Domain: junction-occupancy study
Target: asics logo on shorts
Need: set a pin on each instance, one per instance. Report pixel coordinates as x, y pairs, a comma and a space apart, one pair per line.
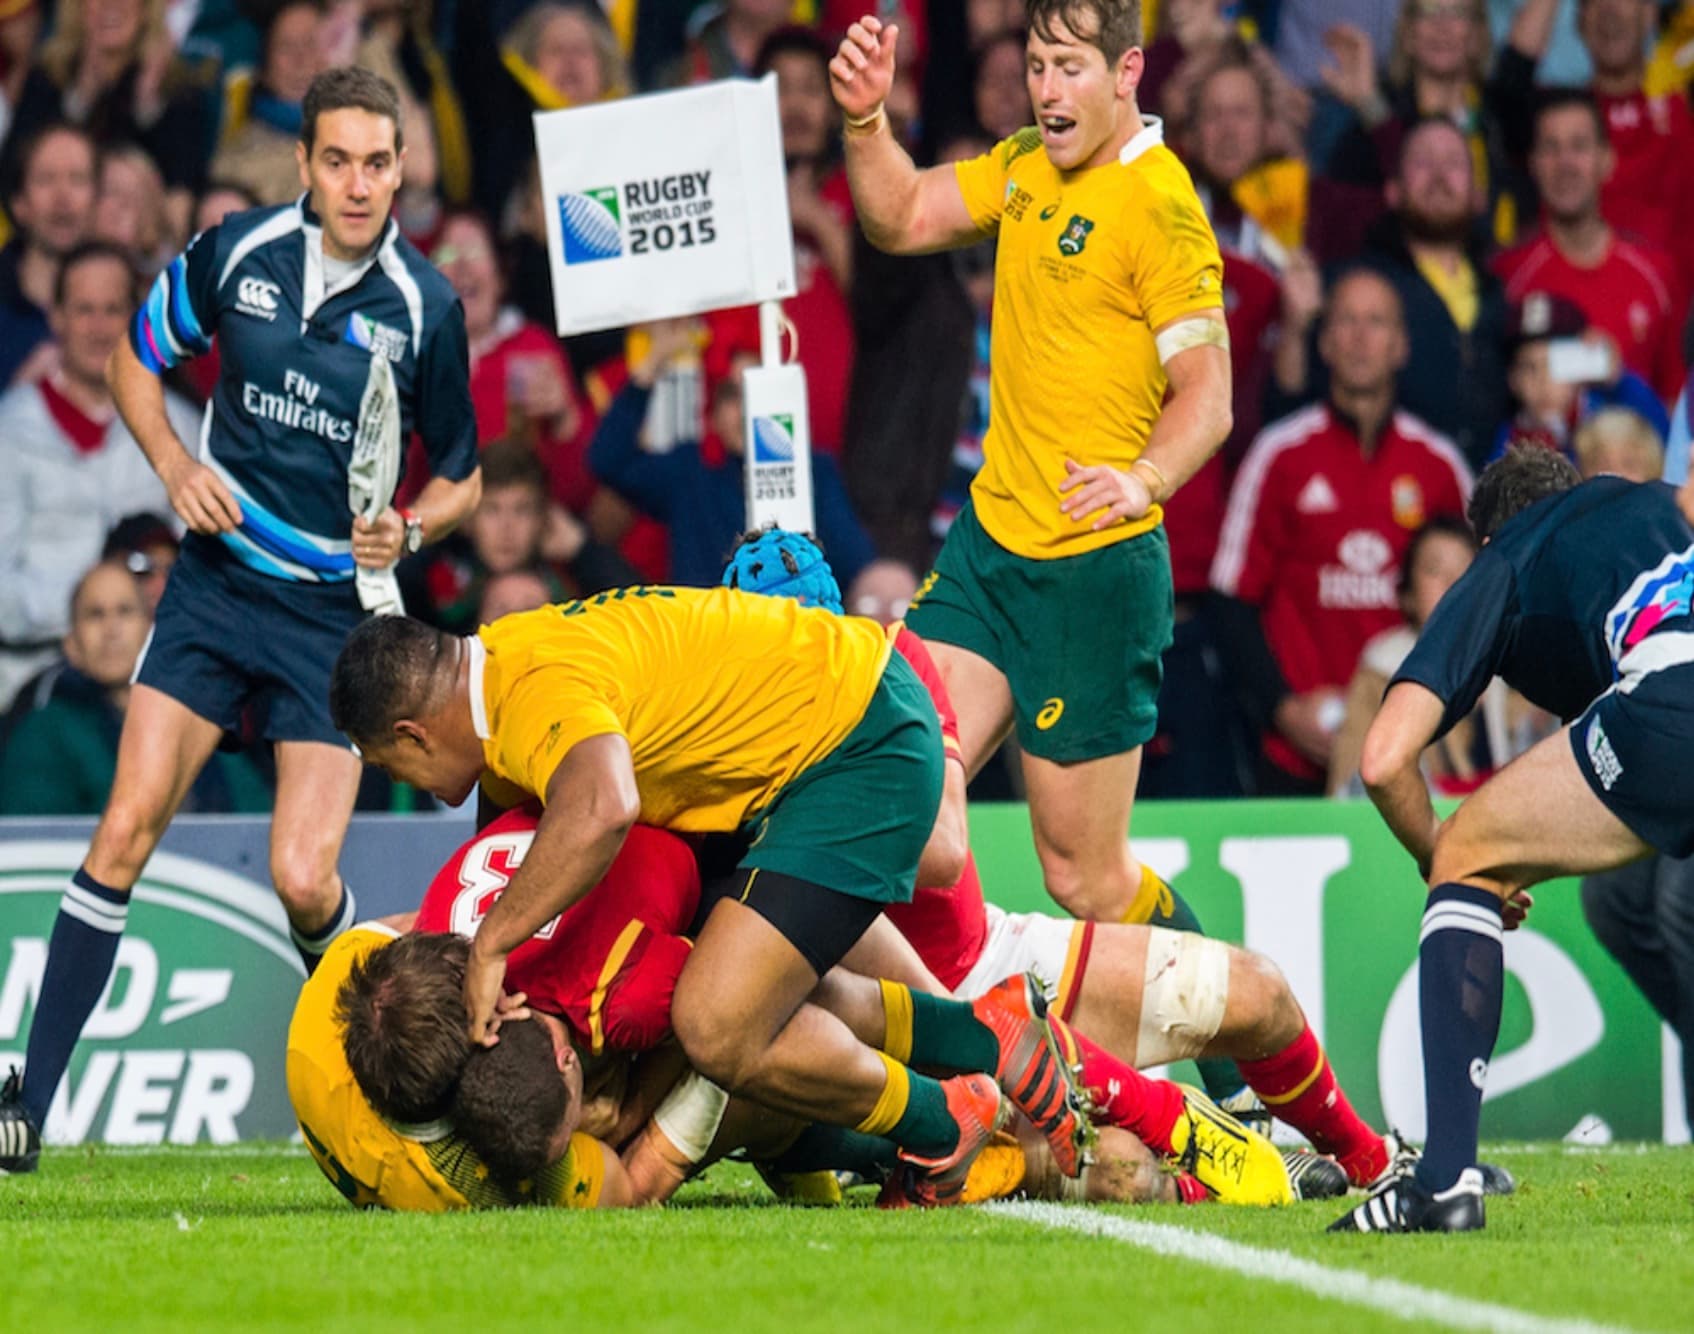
255, 296
1051, 712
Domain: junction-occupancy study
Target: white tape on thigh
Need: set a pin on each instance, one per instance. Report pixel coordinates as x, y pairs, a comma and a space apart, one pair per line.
690, 1115
1183, 995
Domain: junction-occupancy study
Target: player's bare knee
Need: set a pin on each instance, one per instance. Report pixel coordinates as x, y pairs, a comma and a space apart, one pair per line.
943, 861
1261, 995
126, 837
1094, 896
309, 888
713, 1048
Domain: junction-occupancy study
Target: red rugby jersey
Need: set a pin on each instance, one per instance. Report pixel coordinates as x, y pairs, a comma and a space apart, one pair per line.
1630, 294
1651, 189
608, 964
1314, 535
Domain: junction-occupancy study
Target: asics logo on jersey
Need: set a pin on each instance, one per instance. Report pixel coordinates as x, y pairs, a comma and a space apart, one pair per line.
1051, 712
255, 296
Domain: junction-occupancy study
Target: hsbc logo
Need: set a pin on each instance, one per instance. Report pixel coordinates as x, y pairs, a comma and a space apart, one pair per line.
1365, 552
256, 297
1365, 579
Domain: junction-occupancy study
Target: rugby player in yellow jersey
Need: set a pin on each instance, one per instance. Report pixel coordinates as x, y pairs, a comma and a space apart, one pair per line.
418, 1168
717, 711
1050, 603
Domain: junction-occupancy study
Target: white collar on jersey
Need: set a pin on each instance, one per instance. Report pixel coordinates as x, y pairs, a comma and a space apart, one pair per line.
318, 286
479, 705
1152, 132
421, 1132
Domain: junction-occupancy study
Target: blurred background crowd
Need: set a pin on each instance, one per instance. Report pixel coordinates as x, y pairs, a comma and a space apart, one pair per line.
1448, 225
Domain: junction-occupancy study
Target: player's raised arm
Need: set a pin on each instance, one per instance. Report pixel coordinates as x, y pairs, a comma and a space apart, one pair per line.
902, 209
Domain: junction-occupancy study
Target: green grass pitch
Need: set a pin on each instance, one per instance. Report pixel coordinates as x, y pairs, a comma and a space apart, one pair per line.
254, 1238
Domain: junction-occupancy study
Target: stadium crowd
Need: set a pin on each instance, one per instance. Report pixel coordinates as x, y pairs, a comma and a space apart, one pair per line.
1447, 225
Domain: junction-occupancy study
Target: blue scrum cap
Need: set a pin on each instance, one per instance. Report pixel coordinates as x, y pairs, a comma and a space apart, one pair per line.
784, 564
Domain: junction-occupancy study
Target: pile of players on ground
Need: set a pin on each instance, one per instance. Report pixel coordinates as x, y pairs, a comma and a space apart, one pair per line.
584, 1100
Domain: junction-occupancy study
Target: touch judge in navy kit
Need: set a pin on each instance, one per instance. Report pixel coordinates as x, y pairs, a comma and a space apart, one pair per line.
1582, 599
300, 299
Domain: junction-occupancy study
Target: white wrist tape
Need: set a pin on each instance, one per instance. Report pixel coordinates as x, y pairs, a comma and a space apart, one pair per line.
690, 1115
1183, 996
1195, 331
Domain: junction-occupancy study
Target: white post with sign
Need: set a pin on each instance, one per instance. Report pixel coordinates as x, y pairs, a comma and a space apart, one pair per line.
675, 204
777, 434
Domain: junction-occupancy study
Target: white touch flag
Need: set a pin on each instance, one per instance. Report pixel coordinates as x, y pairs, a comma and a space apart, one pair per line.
778, 460
665, 205
372, 473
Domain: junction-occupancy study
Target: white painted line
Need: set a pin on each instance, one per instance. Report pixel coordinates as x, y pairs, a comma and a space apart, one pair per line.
1390, 1296
195, 1151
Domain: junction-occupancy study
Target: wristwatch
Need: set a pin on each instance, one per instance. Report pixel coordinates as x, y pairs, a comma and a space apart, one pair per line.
414, 532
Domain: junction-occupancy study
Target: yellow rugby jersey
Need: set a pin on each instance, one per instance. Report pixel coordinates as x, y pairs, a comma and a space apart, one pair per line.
1088, 265
430, 1169
723, 696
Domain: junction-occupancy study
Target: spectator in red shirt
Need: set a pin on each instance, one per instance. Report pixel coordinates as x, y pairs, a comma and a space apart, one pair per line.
1321, 513
1623, 286
1651, 188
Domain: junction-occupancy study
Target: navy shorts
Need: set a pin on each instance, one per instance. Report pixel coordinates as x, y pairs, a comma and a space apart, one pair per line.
226, 639
1633, 746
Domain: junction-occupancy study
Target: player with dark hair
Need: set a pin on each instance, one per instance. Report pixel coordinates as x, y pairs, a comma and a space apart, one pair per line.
425, 1165
750, 714
309, 303
1581, 599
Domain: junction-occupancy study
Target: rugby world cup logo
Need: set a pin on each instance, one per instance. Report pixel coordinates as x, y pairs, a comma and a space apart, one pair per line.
591, 224
773, 439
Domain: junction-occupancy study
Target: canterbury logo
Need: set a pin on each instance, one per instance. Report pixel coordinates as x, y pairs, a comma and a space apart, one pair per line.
1051, 712
257, 294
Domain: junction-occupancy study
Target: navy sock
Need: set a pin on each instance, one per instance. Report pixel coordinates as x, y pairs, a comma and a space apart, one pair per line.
1461, 979
313, 945
79, 961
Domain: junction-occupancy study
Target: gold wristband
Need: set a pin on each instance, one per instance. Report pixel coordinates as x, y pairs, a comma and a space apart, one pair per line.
1158, 474
870, 124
